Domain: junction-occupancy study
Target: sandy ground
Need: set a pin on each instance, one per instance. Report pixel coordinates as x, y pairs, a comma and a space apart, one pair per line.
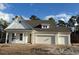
29, 49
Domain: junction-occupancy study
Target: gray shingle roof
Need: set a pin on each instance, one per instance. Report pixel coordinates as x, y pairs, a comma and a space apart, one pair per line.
35, 24
53, 27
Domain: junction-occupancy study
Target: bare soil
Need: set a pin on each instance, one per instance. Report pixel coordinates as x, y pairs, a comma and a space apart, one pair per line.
38, 49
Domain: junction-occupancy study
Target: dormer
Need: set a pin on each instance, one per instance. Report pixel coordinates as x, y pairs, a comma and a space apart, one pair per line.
45, 26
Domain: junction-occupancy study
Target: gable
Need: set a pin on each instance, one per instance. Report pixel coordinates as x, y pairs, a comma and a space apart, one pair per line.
19, 24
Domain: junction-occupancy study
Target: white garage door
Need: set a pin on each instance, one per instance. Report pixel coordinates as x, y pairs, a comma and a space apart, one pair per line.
63, 40
45, 39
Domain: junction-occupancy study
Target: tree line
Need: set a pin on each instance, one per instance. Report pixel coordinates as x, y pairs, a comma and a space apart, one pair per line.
72, 24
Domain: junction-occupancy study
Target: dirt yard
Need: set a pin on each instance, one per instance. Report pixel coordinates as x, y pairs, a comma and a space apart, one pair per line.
29, 49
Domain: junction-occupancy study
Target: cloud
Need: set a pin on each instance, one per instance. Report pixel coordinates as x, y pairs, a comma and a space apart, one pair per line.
49, 16
64, 17
3, 6
6, 16
25, 18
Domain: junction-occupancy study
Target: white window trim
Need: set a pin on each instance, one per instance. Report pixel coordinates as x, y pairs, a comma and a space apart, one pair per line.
45, 26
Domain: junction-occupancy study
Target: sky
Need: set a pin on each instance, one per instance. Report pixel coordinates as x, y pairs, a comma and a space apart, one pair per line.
59, 11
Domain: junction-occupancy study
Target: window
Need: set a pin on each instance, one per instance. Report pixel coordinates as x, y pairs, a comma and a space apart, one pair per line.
21, 36
13, 36
45, 26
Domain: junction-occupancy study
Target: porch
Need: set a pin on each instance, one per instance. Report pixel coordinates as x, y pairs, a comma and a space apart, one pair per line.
18, 37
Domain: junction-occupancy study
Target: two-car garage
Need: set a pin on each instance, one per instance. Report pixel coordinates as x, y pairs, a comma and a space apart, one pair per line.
52, 39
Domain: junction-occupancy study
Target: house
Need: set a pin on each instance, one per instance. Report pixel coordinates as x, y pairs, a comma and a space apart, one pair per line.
36, 32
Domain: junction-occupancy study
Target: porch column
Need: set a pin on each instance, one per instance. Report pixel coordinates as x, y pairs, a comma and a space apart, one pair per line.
6, 37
